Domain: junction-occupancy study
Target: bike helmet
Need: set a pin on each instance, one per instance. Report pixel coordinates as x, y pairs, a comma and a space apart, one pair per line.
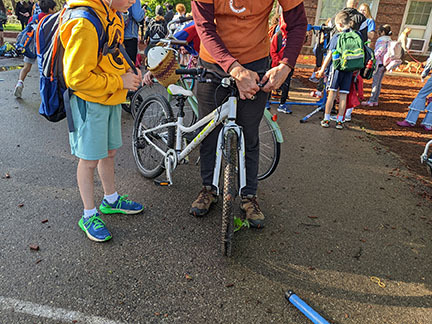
155, 56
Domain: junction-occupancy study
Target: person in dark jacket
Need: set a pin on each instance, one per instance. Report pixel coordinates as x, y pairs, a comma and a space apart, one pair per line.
170, 13
226, 50
23, 11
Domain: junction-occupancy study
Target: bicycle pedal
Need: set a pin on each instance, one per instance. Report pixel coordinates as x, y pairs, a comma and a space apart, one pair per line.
163, 183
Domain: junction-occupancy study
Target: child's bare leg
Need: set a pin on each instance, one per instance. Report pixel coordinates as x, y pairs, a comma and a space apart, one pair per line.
342, 104
330, 100
106, 172
24, 71
85, 177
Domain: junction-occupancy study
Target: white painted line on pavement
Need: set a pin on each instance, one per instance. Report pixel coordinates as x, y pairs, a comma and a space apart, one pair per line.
59, 314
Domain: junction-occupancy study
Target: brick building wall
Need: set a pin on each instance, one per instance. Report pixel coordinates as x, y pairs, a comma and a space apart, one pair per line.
391, 12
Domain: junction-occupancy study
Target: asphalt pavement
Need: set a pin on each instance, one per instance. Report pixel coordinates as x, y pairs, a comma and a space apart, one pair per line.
346, 228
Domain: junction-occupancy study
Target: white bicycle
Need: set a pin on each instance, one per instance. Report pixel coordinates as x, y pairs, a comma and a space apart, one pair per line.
159, 142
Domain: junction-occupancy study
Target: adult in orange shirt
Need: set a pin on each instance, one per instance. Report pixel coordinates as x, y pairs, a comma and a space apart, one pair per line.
234, 40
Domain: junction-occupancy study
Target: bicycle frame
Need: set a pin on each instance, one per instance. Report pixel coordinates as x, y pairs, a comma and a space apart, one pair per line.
227, 111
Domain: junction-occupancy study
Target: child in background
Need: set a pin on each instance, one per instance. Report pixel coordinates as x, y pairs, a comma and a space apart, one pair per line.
100, 83
365, 10
419, 103
47, 7
381, 46
321, 47
277, 46
337, 80
3, 20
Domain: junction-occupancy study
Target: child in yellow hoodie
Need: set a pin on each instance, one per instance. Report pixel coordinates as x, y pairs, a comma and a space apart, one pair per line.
100, 83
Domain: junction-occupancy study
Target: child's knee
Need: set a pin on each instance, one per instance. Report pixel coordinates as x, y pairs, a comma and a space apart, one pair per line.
91, 164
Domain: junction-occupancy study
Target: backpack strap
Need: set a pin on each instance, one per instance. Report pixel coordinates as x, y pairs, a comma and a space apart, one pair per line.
68, 110
89, 14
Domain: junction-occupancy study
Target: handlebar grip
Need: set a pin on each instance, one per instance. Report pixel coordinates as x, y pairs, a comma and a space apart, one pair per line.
188, 71
184, 19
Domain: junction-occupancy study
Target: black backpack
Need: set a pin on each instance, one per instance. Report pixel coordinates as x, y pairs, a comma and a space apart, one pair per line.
157, 31
359, 22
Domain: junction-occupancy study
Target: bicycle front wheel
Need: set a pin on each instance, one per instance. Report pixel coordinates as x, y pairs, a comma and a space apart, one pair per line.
229, 191
153, 111
269, 149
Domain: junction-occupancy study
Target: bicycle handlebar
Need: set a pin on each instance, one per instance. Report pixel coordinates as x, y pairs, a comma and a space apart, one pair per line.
173, 41
183, 19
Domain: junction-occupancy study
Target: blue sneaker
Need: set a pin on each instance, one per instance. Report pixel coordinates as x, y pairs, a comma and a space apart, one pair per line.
121, 206
284, 108
95, 228
267, 106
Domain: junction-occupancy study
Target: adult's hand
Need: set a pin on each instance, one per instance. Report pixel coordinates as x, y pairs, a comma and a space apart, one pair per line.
246, 80
275, 77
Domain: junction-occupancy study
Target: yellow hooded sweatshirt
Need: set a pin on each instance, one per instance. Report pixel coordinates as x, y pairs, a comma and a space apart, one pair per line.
93, 77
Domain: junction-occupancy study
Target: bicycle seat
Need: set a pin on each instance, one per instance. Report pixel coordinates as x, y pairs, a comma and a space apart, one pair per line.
176, 90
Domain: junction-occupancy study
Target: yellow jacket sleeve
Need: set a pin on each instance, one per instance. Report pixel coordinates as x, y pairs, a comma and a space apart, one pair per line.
93, 77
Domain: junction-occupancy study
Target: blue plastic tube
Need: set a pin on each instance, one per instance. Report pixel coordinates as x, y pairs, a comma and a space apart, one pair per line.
305, 308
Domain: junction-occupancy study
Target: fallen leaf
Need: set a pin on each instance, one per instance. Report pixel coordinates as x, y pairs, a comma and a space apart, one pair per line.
34, 247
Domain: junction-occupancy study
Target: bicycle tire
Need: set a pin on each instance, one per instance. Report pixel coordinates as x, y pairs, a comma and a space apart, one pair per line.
157, 88
126, 107
269, 149
153, 111
229, 191
143, 92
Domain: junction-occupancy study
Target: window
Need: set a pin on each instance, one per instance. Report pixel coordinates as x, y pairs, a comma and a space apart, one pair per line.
329, 8
418, 13
418, 17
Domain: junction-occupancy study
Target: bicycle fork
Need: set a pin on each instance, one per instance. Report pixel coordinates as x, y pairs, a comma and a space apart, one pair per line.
240, 153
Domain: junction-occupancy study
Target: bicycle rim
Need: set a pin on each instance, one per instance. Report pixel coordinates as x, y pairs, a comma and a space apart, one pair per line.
269, 150
153, 111
229, 192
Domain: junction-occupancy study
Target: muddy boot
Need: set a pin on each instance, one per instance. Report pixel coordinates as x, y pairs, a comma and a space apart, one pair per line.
253, 212
202, 204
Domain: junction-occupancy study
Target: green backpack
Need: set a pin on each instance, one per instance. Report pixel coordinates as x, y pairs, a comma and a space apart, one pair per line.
349, 54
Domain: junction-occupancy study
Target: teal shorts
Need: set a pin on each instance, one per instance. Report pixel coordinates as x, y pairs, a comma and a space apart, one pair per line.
97, 129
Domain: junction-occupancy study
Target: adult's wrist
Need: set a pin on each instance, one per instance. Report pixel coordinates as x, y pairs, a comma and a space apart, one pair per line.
234, 66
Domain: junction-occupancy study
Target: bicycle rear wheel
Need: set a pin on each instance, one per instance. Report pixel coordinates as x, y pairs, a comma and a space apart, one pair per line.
142, 93
230, 191
269, 150
157, 88
153, 111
